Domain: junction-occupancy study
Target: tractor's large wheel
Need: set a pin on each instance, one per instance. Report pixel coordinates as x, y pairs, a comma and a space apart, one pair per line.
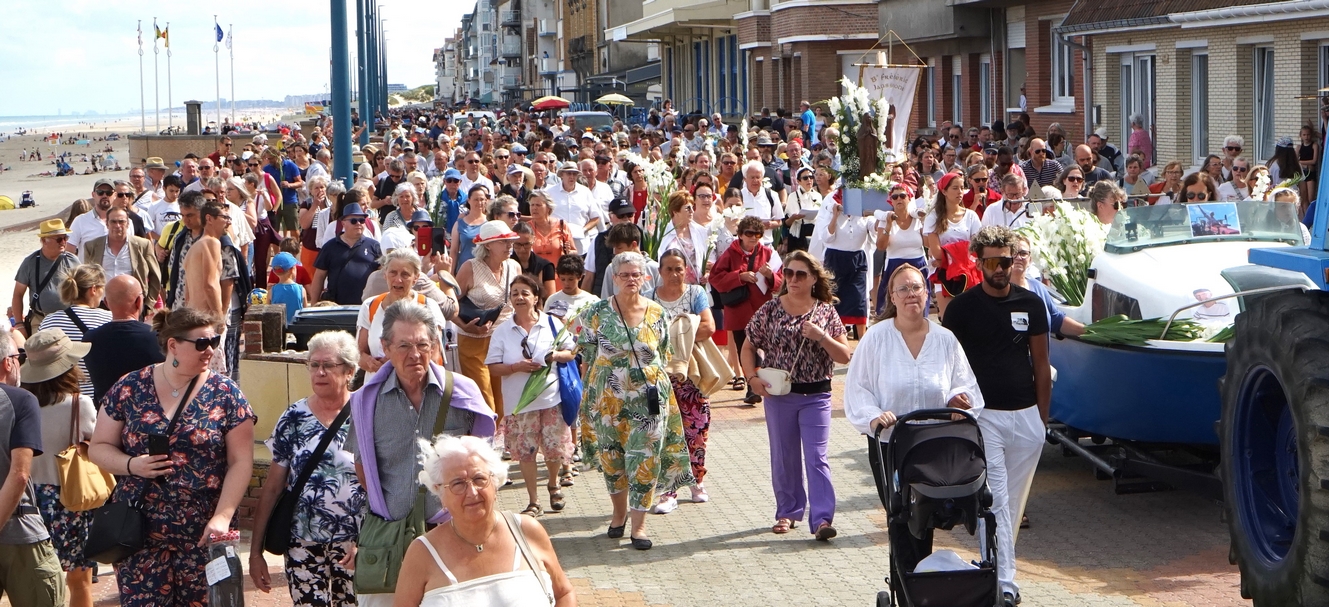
1275, 442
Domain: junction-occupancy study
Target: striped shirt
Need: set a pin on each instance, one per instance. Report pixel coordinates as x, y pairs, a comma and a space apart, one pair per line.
92, 318
1045, 176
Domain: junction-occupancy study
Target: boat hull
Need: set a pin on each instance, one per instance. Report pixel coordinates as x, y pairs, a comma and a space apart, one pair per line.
1140, 394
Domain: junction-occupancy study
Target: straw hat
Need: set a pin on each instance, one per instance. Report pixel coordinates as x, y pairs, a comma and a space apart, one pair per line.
50, 354
154, 162
52, 227
494, 231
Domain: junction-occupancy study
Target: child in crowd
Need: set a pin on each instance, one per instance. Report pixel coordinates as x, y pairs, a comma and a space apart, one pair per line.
302, 276
568, 302
285, 290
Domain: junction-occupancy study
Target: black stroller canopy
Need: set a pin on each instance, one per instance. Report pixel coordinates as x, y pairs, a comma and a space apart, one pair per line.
940, 460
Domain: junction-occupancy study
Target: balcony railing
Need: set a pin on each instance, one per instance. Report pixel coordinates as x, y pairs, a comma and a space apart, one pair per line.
545, 27
511, 49
510, 19
548, 65
510, 81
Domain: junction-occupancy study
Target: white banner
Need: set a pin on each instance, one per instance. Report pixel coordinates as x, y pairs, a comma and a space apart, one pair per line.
898, 85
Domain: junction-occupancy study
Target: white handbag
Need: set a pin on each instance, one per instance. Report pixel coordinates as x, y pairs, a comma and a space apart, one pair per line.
779, 382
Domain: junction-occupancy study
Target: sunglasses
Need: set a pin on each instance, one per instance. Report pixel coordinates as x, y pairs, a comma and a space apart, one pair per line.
124, 195
513, 214
1197, 195
1075, 179
805, 178
203, 343
253, 165
1043, 152
900, 196
1240, 170
751, 233
992, 263
355, 221
790, 274
503, 157
105, 192
21, 355
1233, 148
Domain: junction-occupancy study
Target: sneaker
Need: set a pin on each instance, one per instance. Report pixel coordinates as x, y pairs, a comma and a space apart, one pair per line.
1007, 599
665, 505
699, 495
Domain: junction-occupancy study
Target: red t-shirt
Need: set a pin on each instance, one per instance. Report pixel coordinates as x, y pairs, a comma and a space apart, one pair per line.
968, 201
302, 276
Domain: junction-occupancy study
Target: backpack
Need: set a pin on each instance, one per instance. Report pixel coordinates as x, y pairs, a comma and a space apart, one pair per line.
377, 301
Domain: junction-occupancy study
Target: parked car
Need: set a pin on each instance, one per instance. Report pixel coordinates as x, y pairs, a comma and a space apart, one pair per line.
599, 121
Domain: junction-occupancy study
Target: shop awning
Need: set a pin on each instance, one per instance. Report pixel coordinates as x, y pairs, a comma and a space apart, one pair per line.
679, 19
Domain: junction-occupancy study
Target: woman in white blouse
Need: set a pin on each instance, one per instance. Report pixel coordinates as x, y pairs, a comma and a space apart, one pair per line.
900, 238
686, 235
846, 240
905, 363
803, 198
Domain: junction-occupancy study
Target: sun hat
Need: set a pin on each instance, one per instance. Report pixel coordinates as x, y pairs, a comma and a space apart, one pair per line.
494, 231
50, 354
283, 261
52, 227
353, 210
569, 167
421, 216
154, 162
763, 139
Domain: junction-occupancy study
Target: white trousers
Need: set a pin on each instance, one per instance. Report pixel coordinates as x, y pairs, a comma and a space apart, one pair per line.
375, 600
1013, 441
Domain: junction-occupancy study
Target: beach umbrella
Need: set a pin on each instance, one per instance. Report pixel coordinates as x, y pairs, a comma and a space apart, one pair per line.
551, 102
6, 203
614, 99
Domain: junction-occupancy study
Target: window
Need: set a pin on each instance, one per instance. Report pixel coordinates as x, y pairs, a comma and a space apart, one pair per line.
1199, 106
1324, 66
1063, 70
721, 71
1264, 101
744, 83
957, 86
1137, 94
735, 61
984, 90
932, 93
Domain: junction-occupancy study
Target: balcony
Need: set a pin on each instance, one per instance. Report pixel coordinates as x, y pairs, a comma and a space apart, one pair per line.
548, 66
511, 50
545, 27
509, 81
510, 19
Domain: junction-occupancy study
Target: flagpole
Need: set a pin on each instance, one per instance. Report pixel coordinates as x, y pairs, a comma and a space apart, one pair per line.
216, 64
230, 37
156, 79
170, 116
142, 100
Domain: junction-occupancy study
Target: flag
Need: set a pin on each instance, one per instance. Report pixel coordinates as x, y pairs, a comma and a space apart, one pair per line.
140, 35
230, 35
218, 30
164, 34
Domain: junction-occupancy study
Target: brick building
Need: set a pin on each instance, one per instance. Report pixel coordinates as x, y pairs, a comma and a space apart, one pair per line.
1197, 71
797, 49
700, 67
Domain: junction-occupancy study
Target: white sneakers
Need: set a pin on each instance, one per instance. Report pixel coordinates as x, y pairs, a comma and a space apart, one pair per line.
665, 505
699, 495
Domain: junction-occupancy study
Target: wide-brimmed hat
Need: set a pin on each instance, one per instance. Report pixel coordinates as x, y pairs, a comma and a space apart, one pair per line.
52, 227
569, 167
494, 231
764, 140
353, 210
50, 354
154, 162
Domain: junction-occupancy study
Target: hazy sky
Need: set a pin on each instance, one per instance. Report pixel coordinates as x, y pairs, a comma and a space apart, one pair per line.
81, 55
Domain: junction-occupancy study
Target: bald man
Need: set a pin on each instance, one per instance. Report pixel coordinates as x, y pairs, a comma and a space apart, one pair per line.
123, 345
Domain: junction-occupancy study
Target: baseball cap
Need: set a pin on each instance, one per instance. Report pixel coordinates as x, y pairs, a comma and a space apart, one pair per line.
621, 207
283, 261
452, 174
518, 148
104, 181
514, 168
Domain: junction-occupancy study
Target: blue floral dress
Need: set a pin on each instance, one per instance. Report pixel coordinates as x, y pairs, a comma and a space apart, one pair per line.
168, 571
327, 516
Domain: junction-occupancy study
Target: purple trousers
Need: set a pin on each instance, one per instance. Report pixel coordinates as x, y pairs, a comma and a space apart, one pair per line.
799, 427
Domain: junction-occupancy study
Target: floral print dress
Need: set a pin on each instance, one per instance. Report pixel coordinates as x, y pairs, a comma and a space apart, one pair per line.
327, 516
168, 571
638, 452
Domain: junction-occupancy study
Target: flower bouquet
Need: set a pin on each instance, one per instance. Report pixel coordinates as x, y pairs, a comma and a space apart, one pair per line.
1064, 246
660, 183
539, 380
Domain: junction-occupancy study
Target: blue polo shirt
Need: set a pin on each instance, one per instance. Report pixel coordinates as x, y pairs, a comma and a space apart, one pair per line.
449, 209
348, 268
289, 172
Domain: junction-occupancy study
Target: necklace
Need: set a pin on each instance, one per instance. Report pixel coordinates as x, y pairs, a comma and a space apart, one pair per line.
175, 392
478, 547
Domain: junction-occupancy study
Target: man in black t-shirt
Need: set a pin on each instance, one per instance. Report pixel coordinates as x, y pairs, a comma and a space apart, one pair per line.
125, 344
1002, 328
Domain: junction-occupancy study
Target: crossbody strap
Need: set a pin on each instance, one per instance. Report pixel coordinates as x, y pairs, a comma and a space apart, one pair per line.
41, 286
632, 341
514, 526
322, 448
170, 428
78, 322
445, 406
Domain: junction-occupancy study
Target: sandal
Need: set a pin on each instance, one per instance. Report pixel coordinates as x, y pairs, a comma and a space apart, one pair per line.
556, 501
565, 480
534, 510
738, 384
1024, 522
783, 525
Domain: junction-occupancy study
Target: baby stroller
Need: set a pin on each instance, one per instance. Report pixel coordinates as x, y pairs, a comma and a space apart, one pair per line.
27, 200
933, 475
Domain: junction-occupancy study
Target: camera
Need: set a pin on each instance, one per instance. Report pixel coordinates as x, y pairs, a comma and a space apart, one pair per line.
653, 399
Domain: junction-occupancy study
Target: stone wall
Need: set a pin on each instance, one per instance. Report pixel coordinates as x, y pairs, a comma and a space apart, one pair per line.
170, 148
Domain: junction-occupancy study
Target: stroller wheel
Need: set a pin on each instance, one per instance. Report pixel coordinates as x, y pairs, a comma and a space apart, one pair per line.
884, 598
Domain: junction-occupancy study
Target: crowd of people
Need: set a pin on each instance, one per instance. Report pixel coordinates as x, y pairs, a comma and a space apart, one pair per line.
524, 293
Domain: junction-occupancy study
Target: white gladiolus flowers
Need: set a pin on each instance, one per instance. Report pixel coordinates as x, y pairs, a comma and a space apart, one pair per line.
1064, 245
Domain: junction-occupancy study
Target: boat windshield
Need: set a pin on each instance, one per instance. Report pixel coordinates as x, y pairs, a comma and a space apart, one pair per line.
1140, 227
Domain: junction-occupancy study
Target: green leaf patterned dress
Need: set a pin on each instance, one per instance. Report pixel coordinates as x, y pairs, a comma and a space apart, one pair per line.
640, 453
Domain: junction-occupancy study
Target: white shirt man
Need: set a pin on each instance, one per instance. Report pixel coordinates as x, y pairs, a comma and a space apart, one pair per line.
92, 224
575, 204
471, 174
759, 201
1008, 214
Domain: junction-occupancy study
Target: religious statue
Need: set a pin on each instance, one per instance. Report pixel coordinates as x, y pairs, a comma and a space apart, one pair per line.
868, 146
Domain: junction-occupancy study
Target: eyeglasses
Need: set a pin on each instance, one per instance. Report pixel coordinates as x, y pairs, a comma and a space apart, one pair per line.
512, 214
1022, 254
630, 275
124, 194
1197, 195
992, 263
203, 343
728, 162
406, 347
900, 196
324, 367
355, 221
791, 274
1074, 179
462, 485
105, 192
910, 289
58, 238
503, 157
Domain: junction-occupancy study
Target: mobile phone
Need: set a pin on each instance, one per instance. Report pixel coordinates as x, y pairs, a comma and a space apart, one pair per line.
158, 444
653, 399
424, 241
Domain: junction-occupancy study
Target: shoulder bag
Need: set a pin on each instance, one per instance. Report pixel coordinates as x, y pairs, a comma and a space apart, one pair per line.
569, 384
467, 310
778, 381
83, 485
281, 522
537, 567
739, 295
383, 543
35, 295
119, 528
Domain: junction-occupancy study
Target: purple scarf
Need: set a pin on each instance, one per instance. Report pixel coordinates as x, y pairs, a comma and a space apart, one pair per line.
465, 396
